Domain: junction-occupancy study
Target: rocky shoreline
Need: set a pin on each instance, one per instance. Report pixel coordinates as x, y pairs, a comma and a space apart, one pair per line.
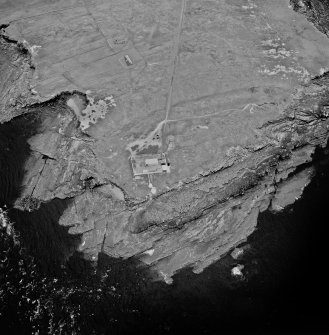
97, 248
280, 289
192, 224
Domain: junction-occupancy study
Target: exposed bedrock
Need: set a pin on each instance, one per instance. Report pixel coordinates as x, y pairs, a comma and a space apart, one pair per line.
192, 223
15, 76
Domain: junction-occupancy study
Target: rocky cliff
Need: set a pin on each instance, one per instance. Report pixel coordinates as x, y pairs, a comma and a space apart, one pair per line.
193, 221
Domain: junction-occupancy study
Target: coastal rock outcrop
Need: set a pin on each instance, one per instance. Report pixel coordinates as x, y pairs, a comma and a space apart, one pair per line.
250, 157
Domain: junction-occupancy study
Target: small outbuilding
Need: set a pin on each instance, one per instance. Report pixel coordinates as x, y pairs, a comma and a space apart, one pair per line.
128, 60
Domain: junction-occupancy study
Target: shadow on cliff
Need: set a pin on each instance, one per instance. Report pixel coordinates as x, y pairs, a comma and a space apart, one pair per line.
40, 233
14, 151
284, 284
281, 292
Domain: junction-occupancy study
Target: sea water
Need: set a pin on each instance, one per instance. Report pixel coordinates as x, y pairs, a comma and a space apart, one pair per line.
281, 288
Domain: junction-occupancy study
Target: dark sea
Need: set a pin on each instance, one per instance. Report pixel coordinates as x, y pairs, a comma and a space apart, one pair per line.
283, 290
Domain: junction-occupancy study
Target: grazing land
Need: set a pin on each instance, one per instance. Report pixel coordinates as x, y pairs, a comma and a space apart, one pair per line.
204, 92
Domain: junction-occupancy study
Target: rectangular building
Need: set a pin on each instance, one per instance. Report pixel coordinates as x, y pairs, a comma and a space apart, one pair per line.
149, 164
